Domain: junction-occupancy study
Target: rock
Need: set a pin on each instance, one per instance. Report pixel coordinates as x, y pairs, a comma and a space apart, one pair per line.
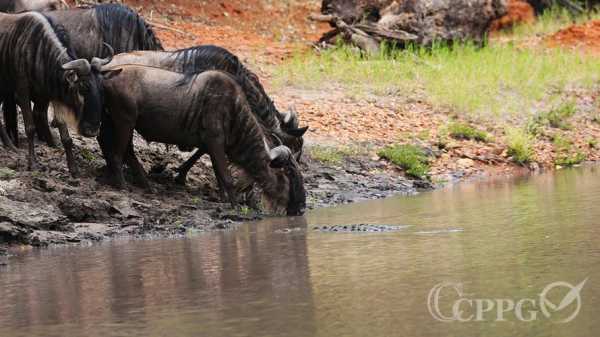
8, 185
81, 210
13, 233
43, 185
33, 216
465, 163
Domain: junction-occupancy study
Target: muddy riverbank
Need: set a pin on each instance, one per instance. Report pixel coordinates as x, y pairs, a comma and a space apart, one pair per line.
50, 207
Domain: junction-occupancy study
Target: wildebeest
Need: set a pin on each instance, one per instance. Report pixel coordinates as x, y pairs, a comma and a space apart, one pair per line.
18, 6
90, 29
191, 61
36, 64
208, 111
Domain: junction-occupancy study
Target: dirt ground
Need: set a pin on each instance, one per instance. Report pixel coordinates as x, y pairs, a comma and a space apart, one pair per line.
584, 38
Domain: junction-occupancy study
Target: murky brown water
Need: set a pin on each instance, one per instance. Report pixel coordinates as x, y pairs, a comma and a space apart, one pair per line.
501, 240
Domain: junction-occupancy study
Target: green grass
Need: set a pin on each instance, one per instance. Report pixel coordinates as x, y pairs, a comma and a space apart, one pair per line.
410, 158
569, 159
87, 155
496, 80
7, 174
459, 130
520, 146
333, 155
566, 155
557, 117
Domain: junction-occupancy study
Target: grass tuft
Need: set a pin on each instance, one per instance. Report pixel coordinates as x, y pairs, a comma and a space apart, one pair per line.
458, 130
565, 155
557, 117
7, 174
520, 146
410, 158
332, 155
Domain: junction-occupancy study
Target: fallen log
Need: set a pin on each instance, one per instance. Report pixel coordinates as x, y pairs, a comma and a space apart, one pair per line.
368, 23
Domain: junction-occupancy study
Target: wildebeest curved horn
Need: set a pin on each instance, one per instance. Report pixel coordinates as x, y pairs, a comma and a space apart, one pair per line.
81, 66
111, 51
97, 62
281, 152
286, 116
290, 118
277, 138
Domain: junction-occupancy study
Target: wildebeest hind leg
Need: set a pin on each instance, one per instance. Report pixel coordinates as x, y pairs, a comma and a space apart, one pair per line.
9, 107
40, 115
185, 168
67, 143
216, 150
5, 139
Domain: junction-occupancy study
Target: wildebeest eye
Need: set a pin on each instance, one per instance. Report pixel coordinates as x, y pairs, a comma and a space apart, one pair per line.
84, 87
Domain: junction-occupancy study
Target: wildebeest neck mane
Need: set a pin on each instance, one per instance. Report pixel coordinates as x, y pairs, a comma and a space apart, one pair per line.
40, 48
116, 19
194, 60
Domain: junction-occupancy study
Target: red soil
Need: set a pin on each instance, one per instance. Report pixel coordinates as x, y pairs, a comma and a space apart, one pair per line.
585, 37
519, 11
247, 27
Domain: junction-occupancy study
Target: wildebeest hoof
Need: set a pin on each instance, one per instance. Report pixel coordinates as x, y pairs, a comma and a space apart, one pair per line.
149, 190
74, 172
33, 165
118, 185
51, 142
180, 180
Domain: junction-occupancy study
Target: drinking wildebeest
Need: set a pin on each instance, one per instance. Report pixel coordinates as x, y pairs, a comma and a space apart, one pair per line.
18, 6
191, 61
208, 111
90, 29
36, 64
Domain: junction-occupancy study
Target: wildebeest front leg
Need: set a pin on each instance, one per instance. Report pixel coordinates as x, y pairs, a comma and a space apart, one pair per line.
137, 168
24, 103
40, 115
216, 150
118, 149
67, 143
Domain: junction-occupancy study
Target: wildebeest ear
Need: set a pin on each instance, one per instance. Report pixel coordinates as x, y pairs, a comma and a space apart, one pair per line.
108, 74
297, 132
71, 77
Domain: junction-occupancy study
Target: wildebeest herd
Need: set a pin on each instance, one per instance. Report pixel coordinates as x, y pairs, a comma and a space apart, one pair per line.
201, 98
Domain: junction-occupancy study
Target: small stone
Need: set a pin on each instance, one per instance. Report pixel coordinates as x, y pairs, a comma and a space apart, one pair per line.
465, 163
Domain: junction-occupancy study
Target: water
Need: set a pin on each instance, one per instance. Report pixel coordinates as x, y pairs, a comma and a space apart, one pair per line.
500, 239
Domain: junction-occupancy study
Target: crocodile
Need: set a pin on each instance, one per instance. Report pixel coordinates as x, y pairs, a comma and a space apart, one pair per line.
359, 228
